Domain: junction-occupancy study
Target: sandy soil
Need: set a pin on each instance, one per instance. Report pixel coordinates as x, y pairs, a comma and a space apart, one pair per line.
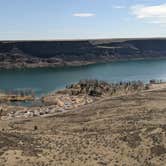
126, 130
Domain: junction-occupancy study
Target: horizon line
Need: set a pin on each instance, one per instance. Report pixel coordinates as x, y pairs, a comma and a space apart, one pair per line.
83, 39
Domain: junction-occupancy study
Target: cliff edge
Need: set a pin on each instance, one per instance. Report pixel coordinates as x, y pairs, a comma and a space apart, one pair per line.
77, 52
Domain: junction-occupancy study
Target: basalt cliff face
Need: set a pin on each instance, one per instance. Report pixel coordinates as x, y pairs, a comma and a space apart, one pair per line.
78, 52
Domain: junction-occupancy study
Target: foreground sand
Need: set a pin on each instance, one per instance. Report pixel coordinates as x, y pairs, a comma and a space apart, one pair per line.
126, 130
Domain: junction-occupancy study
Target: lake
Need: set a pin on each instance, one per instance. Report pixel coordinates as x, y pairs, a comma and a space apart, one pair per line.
45, 80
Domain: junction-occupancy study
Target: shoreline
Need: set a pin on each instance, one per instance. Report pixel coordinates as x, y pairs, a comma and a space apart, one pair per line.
74, 97
74, 64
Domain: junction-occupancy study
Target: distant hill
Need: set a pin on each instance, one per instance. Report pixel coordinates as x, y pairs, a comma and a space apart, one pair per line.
78, 52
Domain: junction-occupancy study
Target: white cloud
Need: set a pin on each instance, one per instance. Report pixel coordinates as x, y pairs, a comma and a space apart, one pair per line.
152, 14
118, 7
84, 14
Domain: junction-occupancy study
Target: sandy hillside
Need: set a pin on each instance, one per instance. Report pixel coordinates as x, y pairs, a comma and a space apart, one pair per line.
115, 131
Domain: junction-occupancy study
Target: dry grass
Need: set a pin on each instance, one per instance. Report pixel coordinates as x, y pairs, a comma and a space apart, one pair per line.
121, 131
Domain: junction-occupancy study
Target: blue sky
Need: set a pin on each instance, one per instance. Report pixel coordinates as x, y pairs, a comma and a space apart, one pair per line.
80, 19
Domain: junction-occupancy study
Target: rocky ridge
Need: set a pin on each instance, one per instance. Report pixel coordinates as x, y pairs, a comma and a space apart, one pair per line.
31, 54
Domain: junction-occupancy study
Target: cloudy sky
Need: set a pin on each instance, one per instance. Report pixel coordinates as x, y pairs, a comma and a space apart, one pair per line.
79, 19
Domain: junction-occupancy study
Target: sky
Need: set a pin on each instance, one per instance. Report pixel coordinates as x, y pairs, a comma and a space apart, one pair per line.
81, 19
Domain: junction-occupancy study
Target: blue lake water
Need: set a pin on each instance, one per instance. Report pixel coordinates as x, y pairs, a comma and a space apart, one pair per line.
45, 80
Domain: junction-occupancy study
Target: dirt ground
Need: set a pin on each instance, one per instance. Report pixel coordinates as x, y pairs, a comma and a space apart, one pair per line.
127, 130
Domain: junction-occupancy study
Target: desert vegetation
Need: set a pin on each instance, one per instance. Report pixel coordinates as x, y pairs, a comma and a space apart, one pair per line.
124, 129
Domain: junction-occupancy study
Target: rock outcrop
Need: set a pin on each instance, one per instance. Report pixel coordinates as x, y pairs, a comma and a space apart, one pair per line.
87, 91
96, 88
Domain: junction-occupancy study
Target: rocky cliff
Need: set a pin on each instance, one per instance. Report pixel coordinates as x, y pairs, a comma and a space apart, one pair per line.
80, 52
